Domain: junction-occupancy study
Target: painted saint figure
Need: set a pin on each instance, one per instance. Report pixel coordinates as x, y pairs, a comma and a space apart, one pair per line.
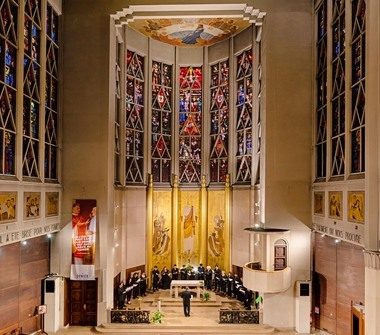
216, 238
161, 237
189, 223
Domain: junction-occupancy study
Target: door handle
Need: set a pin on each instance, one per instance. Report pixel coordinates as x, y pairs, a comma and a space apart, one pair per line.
84, 306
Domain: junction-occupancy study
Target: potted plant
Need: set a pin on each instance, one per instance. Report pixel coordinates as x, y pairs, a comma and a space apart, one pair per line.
157, 317
206, 296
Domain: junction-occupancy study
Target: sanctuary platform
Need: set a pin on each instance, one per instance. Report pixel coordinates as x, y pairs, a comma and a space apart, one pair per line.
204, 317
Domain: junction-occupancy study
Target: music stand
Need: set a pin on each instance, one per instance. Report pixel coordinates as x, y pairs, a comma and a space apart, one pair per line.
41, 310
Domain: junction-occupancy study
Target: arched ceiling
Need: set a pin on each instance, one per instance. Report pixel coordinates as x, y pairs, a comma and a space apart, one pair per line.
189, 25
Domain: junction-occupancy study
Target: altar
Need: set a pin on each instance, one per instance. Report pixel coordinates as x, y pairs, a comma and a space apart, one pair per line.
176, 284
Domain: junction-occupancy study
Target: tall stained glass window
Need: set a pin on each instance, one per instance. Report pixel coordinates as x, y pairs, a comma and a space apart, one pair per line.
358, 86
117, 113
8, 55
338, 88
51, 95
219, 125
321, 78
162, 90
32, 40
190, 124
244, 117
260, 108
134, 128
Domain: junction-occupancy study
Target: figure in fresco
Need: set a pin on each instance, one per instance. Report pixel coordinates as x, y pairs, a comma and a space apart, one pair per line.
335, 206
189, 222
216, 238
356, 209
161, 237
192, 37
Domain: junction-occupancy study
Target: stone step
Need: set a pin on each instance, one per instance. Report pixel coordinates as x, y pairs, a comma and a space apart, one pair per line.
162, 329
193, 304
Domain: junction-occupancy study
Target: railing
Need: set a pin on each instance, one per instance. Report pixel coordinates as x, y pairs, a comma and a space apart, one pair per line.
129, 316
372, 259
266, 281
239, 316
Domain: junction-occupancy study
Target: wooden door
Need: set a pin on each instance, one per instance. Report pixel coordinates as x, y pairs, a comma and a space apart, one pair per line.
357, 319
83, 302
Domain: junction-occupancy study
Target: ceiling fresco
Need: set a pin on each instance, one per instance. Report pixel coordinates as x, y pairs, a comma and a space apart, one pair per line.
190, 32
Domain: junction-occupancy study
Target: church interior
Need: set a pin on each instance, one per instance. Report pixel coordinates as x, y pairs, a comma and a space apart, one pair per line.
227, 148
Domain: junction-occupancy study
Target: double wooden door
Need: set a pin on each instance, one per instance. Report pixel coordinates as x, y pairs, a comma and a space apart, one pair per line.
83, 303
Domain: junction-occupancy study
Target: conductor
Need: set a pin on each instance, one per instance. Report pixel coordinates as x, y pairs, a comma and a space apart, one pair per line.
186, 296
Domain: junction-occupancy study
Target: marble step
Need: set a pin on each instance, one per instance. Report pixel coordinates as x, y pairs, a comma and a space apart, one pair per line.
188, 328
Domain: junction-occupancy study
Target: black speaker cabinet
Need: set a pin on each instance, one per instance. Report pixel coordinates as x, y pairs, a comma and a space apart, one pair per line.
304, 289
49, 286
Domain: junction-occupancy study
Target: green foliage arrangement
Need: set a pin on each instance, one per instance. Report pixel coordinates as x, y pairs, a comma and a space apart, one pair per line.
206, 296
157, 317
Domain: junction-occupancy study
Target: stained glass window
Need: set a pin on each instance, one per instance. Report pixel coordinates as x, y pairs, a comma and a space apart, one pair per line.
358, 86
219, 125
8, 56
190, 124
134, 129
51, 96
162, 90
260, 107
32, 39
244, 117
117, 113
338, 88
321, 78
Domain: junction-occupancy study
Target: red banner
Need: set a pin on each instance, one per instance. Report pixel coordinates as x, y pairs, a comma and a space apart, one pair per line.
83, 240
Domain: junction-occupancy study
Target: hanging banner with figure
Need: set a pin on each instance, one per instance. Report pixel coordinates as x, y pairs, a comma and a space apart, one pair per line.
83, 240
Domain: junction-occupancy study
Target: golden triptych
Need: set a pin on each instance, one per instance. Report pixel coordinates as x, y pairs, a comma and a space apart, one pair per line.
335, 205
31, 206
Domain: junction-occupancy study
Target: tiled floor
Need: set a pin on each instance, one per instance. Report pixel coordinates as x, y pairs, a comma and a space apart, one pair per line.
202, 316
91, 331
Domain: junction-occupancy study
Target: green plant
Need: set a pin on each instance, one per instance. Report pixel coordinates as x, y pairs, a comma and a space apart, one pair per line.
206, 296
157, 317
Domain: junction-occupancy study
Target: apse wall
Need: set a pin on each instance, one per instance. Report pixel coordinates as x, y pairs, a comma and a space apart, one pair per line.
88, 162
134, 218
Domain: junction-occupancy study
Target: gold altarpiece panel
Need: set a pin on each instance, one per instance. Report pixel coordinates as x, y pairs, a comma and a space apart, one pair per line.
162, 228
217, 230
189, 227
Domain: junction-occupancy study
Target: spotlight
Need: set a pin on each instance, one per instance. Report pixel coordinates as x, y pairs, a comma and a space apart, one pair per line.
24, 242
49, 235
257, 225
323, 235
116, 245
337, 240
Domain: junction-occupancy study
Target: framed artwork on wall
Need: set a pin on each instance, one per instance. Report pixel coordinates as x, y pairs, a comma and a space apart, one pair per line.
52, 204
8, 207
335, 205
32, 202
319, 203
356, 206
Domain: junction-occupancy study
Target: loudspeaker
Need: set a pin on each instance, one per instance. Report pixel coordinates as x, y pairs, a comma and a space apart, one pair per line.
49, 286
304, 289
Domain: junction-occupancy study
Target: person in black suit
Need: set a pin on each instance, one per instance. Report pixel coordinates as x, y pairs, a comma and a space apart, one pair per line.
183, 273
175, 272
120, 296
186, 296
201, 271
143, 284
155, 278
